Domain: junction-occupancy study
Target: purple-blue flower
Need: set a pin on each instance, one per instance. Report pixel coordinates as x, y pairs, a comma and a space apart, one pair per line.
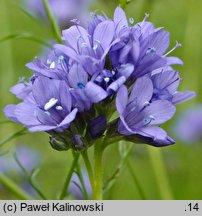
141, 116
72, 92
166, 85
141, 45
48, 107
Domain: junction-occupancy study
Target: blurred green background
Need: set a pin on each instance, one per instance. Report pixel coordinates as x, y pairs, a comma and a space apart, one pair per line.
180, 174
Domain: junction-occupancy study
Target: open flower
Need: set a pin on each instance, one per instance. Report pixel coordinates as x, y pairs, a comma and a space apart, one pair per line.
71, 94
165, 87
48, 107
139, 117
141, 45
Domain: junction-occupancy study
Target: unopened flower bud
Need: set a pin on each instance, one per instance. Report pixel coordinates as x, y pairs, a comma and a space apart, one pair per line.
97, 126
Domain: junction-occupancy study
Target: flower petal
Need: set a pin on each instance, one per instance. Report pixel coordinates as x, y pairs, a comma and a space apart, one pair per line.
142, 90
113, 87
174, 60
94, 92
21, 90
9, 112
120, 18
104, 34
69, 118
180, 97
77, 75
25, 114
160, 111
155, 136
75, 35
168, 80
121, 99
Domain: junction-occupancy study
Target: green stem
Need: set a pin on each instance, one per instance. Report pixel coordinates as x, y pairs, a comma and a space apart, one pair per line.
68, 178
53, 22
135, 179
13, 136
89, 168
30, 178
160, 172
7, 182
98, 152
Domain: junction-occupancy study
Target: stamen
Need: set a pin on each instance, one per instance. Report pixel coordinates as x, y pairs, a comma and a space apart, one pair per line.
84, 45
47, 113
152, 117
75, 21
146, 104
50, 103
78, 37
52, 65
123, 26
176, 46
147, 121
106, 79
95, 46
59, 108
133, 109
60, 59
113, 72
48, 61
131, 20
145, 18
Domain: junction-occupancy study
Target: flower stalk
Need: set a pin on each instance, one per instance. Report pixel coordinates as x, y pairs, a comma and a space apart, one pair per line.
54, 26
98, 153
68, 178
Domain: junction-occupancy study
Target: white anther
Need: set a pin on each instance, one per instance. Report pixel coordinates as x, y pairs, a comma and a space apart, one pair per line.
59, 108
106, 79
52, 65
50, 103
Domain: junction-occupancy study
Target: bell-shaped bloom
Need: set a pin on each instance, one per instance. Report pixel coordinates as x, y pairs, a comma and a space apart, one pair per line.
55, 66
88, 50
21, 90
165, 87
97, 126
140, 116
141, 45
48, 107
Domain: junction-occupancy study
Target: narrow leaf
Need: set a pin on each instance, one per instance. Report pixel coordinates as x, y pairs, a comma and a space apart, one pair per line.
13, 136
26, 36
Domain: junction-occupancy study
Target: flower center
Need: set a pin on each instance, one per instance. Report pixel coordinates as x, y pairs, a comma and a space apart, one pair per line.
80, 85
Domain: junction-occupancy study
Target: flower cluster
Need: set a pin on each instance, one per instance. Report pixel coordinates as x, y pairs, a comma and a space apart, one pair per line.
113, 79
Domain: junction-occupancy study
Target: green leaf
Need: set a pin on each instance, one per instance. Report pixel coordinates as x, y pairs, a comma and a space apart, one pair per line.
124, 151
26, 36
